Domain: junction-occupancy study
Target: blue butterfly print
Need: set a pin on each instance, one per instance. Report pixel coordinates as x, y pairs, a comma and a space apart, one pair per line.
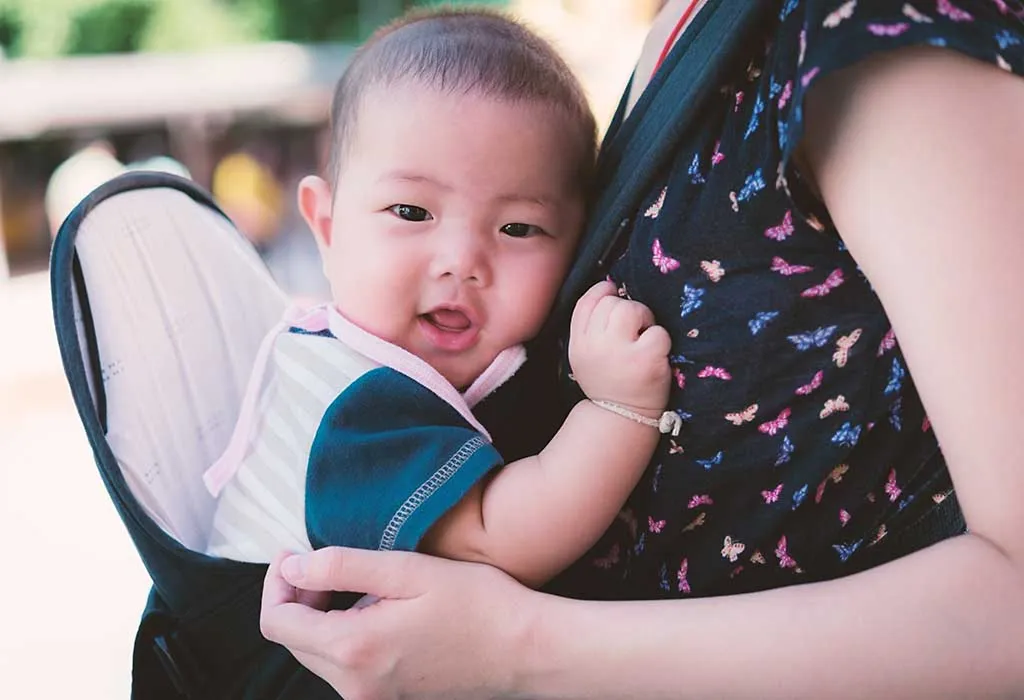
799, 496
755, 118
896, 415
845, 551
847, 435
709, 463
761, 321
785, 452
896, 375
812, 339
692, 300
695, 175
664, 584
656, 480
783, 134
937, 41
787, 9
1006, 39
684, 416
641, 544
774, 89
905, 502
751, 186
679, 360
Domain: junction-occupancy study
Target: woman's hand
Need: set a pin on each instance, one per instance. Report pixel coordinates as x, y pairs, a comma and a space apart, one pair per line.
441, 629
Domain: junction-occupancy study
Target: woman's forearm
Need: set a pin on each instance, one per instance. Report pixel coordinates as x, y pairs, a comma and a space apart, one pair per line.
944, 622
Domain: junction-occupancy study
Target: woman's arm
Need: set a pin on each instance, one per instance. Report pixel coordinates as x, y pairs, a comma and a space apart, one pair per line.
918, 156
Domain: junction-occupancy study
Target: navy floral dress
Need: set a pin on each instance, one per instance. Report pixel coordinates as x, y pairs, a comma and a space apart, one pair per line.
805, 440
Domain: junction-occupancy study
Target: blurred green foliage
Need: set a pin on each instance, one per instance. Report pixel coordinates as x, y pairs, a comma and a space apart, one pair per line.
49, 28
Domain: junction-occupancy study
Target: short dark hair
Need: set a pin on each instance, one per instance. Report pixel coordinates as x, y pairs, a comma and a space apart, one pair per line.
462, 50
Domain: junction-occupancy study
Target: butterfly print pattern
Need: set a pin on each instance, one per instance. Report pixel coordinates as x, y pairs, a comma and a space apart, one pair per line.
806, 440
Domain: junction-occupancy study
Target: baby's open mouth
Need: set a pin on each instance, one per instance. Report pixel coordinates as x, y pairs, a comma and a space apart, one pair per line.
449, 320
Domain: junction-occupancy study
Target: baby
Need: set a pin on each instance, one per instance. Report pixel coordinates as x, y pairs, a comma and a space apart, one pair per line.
462, 146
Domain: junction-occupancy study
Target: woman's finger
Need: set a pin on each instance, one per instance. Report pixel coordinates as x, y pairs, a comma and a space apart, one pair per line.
392, 575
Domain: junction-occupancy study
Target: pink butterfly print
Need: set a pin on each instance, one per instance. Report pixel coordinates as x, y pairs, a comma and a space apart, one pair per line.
717, 157
844, 517
655, 209
888, 29
757, 557
664, 263
845, 11
787, 93
784, 230
700, 500
786, 270
945, 7
888, 342
833, 281
716, 372
684, 585
674, 448
926, 424
713, 269
820, 492
833, 406
809, 76
785, 561
609, 560
912, 13
1002, 6
772, 496
882, 532
736, 572
745, 416
807, 389
732, 550
655, 526
843, 346
679, 377
891, 489
739, 101
773, 426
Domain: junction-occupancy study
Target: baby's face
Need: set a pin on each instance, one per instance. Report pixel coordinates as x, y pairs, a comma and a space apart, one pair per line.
454, 220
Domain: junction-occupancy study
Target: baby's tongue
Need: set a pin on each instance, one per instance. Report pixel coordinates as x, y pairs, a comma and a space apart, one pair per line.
449, 319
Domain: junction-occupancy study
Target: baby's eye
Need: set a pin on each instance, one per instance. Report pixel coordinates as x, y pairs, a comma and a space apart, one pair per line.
520, 230
410, 212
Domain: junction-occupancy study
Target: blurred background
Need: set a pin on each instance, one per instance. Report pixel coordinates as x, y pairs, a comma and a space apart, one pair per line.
233, 94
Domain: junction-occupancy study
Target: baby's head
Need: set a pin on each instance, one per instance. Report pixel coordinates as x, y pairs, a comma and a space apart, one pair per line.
462, 147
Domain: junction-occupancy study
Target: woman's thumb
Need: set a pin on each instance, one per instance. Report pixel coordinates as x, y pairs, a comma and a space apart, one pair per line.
382, 574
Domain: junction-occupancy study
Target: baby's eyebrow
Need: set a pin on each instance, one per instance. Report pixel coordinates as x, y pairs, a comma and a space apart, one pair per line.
408, 176
529, 199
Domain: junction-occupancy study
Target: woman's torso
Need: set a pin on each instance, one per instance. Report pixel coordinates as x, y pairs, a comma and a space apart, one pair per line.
805, 439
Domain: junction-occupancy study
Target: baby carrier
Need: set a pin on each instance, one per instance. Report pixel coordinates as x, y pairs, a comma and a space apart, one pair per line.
160, 306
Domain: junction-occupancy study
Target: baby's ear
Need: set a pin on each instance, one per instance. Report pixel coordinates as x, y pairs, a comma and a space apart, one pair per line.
315, 205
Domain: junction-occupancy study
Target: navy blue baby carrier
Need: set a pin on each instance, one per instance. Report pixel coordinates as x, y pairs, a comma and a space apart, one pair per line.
199, 634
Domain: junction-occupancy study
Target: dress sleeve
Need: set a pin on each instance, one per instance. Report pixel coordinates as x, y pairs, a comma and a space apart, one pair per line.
818, 37
389, 459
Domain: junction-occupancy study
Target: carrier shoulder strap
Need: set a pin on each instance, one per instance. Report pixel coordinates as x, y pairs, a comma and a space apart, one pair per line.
637, 147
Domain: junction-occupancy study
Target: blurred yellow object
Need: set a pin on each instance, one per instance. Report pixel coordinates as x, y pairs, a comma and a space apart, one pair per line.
250, 194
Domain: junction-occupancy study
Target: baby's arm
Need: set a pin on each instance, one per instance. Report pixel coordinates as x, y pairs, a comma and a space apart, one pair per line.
539, 514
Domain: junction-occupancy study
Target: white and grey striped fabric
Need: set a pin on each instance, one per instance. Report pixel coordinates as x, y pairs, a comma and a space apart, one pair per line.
260, 511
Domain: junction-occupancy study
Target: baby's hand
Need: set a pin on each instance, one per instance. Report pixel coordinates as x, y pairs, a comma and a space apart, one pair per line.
617, 353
